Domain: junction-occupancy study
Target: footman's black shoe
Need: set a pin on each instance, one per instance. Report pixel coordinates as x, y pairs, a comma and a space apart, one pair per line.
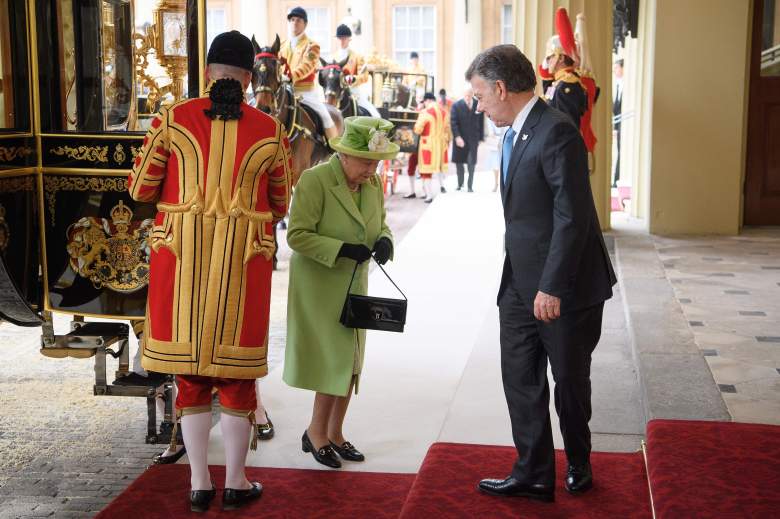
411, 195
265, 431
233, 499
578, 479
510, 487
324, 455
348, 451
201, 499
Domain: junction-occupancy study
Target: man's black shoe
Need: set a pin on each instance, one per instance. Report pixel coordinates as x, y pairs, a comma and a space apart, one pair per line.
443, 190
510, 487
233, 499
411, 195
578, 479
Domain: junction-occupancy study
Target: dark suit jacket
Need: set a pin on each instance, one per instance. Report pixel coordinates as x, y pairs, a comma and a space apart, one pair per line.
467, 123
553, 240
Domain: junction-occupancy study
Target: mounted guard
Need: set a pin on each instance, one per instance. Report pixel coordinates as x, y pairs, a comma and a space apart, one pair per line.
302, 55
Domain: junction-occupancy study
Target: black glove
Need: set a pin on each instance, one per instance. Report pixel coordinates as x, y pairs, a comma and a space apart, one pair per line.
383, 248
354, 251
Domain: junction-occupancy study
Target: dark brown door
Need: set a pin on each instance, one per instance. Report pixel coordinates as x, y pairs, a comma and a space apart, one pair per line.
762, 180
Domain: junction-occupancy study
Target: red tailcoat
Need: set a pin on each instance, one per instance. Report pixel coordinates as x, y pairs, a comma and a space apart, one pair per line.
433, 127
219, 186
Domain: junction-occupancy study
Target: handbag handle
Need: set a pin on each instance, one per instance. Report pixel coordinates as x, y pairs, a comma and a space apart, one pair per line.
383, 271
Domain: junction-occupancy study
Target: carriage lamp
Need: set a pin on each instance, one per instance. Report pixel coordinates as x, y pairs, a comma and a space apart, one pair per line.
169, 39
387, 93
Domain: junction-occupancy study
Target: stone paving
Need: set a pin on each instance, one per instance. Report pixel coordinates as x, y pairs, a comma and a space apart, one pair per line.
729, 290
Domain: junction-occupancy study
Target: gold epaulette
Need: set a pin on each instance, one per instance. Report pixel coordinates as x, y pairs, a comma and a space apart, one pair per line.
567, 75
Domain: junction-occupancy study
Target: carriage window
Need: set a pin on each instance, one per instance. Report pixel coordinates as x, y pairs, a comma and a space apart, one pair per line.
117, 62
414, 30
319, 28
14, 93
506, 24
770, 39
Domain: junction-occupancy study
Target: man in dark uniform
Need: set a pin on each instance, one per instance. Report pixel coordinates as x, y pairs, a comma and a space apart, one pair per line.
566, 93
468, 128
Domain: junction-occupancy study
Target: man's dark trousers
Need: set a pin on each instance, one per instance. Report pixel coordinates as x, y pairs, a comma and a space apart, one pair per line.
471, 163
526, 346
553, 245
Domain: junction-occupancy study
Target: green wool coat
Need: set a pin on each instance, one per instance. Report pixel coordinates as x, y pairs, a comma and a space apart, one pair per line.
320, 352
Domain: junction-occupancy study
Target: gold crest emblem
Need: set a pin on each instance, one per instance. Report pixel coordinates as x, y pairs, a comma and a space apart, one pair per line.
111, 254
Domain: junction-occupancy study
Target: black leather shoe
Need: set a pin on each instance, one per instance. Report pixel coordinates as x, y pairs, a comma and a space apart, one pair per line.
265, 431
233, 499
443, 190
348, 452
411, 195
201, 499
324, 455
510, 487
167, 460
578, 479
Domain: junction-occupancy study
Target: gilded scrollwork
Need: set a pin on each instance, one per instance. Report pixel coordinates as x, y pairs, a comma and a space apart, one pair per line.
7, 154
13, 184
112, 254
88, 153
135, 151
52, 184
5, 231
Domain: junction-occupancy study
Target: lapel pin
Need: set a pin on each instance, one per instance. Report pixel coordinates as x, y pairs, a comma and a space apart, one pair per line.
525, 136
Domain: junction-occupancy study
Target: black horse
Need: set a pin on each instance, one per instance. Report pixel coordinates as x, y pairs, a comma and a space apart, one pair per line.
337, 85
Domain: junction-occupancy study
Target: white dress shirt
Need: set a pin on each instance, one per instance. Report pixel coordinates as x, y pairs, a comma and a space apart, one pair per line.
520, 118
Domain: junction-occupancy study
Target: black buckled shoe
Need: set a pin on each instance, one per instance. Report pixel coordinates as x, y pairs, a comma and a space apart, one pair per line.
324, 455
265, 431
233, 499
578, 479
201, 499
167, 460
510, 487
348, 451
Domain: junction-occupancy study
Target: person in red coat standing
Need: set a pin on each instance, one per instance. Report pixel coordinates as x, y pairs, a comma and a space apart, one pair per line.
219, 171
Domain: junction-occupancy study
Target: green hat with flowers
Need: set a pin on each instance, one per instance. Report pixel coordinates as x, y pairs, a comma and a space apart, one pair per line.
367, 138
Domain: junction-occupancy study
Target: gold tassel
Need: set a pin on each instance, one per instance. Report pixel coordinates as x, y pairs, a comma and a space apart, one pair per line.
175, 430
253, 443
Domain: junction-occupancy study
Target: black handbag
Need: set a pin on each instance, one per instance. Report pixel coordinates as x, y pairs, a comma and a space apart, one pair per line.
374, 313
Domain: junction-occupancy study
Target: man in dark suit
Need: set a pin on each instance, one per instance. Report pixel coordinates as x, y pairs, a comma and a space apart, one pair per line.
557, 275
468, 128
617, 114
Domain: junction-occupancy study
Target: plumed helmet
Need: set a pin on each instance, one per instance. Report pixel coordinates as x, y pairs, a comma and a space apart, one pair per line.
300, 12
562, 43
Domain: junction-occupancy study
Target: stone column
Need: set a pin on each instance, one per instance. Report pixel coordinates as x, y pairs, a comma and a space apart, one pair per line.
254, 20
466, 43
364, 11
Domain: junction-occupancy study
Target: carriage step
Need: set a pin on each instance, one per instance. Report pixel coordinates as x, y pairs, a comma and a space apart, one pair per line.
61, 353
91, 336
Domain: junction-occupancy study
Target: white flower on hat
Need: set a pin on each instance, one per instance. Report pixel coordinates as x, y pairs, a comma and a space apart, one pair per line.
377, 140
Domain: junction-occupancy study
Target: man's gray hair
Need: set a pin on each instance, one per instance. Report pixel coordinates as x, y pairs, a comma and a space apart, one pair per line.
505, 63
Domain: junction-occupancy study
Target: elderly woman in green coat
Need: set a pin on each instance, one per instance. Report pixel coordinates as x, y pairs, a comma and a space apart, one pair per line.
337, 220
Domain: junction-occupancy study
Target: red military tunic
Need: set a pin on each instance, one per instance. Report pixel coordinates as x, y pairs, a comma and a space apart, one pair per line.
433, 127
219, 186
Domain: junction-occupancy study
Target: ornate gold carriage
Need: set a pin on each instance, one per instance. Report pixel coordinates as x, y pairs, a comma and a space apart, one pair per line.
80, 81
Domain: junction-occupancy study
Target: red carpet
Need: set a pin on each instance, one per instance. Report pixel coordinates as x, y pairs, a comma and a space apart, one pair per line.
162, 492
714, 469
446, 486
